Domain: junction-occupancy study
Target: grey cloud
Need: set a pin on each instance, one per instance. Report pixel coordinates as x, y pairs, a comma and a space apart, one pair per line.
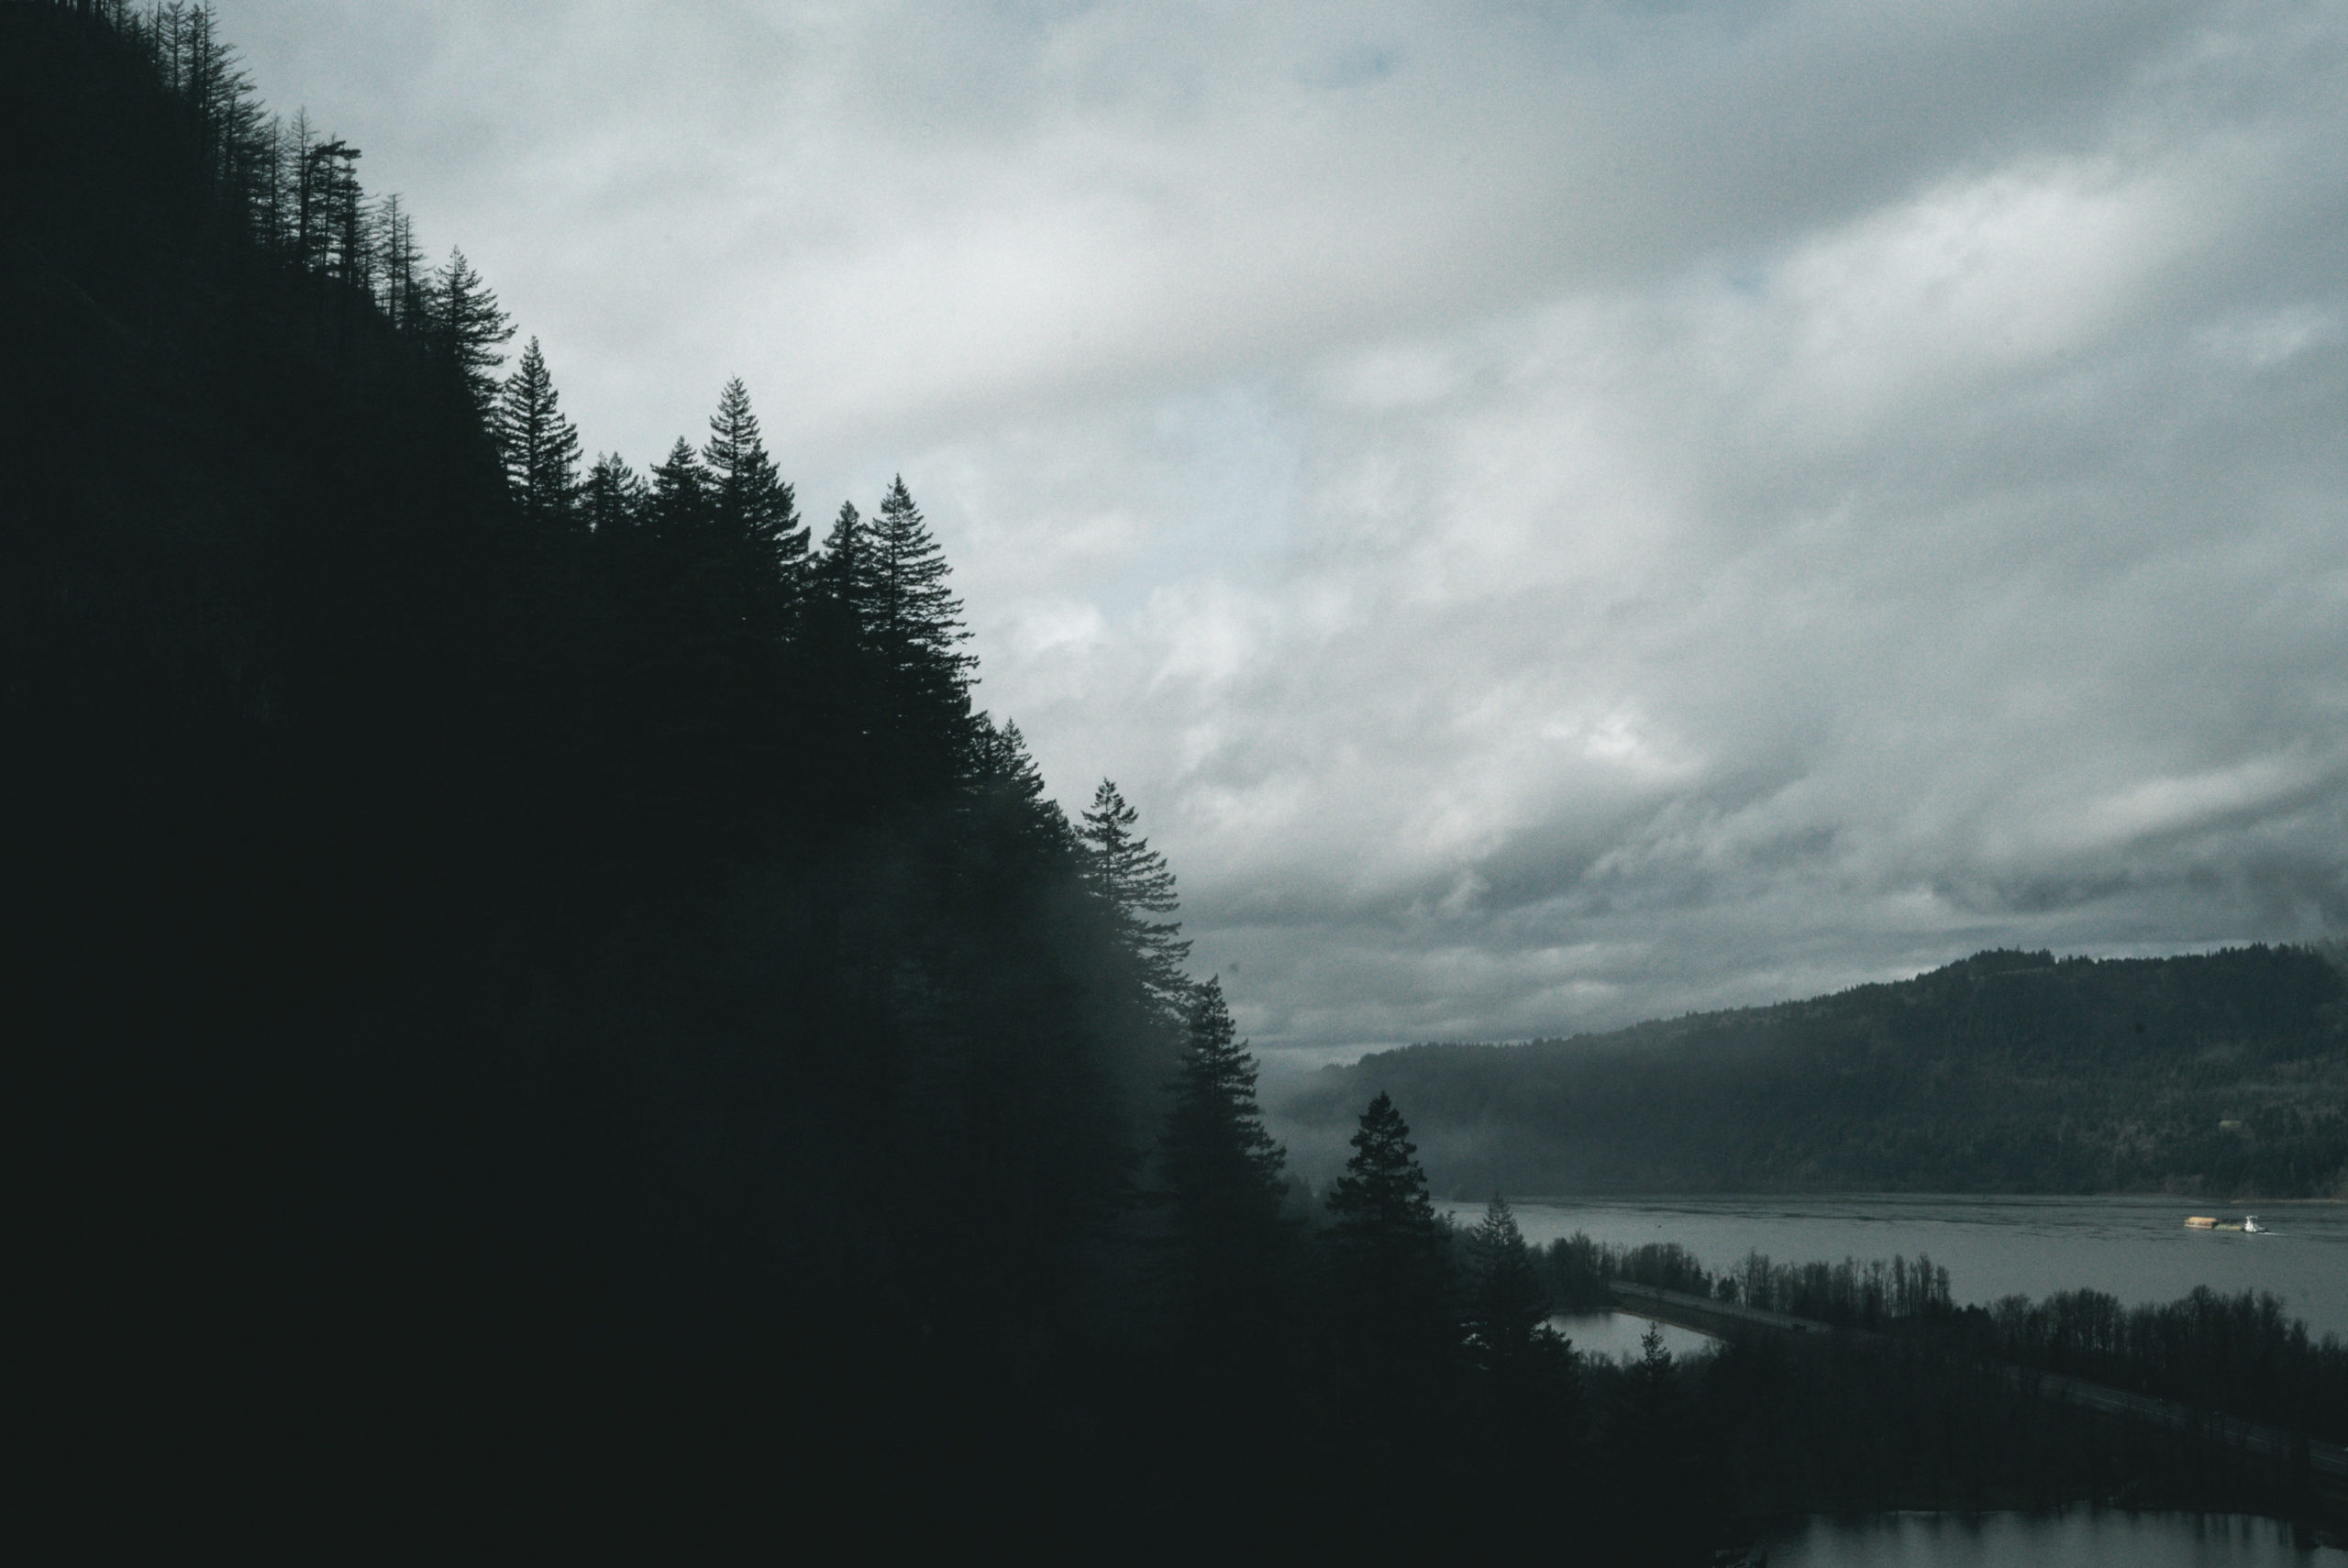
1558, 515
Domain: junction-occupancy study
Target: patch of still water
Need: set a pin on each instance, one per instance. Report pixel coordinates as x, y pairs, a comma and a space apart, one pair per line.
1614, 1335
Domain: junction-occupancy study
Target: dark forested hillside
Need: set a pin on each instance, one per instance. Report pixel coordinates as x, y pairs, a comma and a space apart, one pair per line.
2010, 1072
510, 961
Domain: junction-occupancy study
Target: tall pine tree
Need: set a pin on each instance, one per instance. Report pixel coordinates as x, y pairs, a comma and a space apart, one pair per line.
751, 501
612, 495
1508, 1308
539, 446
1392, 1258
1223, 1172
678, 506
1137, 886
916, 622
468, 326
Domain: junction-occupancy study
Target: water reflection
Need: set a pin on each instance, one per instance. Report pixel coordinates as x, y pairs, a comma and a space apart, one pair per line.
2078, 1536
1616, 1334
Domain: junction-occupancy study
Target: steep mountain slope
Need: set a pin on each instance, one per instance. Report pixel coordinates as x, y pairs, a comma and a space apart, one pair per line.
486, 1001
2014, 1072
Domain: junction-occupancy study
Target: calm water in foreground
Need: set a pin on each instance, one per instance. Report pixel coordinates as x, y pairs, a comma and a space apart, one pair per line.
2136, 1248
2069, 1537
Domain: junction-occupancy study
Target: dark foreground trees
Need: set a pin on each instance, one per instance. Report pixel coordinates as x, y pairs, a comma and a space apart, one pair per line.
1224, 1185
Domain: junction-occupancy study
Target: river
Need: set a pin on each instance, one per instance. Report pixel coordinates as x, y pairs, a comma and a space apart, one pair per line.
2136, 1248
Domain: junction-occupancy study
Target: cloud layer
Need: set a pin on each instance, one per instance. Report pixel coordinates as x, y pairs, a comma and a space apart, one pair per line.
1556, 515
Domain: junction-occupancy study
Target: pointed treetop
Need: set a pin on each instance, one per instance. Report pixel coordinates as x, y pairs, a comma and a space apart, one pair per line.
733, 430
469, 327
1383, 1193
1136, 882
539, 447
612, 494
753, 505
1224, 1172
915, 616
1509, 1309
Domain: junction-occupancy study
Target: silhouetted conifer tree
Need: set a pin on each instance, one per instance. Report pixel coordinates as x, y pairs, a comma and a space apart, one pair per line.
1508, 1308
1223, 1170
1654, 1449
1391, 1248
912, 624
1002, 764
612, 495
679, 505
539, 446
467, 325
839, 572
752, 503
1394, 1341
399, 276
1135, 883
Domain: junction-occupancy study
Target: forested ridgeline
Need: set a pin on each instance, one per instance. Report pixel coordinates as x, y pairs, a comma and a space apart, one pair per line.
2217, 1075
519, 961
542, 1004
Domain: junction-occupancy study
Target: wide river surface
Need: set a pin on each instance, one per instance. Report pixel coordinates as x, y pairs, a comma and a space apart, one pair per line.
2136, 1248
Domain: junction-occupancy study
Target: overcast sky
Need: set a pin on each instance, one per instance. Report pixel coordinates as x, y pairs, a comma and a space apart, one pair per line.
1555, 515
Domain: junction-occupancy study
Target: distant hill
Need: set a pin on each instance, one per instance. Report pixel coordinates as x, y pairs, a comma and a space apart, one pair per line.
2223, 1074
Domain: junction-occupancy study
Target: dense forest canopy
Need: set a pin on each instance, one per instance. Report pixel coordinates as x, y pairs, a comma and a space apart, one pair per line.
2220, 1074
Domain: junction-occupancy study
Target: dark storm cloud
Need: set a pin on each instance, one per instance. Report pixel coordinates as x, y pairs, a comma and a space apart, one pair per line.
1558, 514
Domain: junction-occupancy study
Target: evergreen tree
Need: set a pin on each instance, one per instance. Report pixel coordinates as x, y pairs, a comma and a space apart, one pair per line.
1391, 1251
915, 617
1135, 883
467, 325
1002, 764
839, 573
297, 170
1656, 1448
678, 506
612, 496
399, 270
1223, 1170
339, 215
1530, 1383
753, 504
912, 621
540, 447
1507, 1312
